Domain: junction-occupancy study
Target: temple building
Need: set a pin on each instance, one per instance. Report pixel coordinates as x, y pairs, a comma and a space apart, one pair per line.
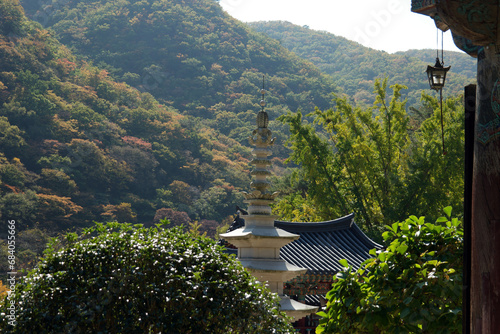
319, 249
298, 261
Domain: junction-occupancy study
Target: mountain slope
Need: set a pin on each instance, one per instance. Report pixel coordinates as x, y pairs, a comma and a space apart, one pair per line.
77, 146
354, 67
189, 52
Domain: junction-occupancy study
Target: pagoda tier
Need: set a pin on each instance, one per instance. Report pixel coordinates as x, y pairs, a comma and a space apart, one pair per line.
259, 241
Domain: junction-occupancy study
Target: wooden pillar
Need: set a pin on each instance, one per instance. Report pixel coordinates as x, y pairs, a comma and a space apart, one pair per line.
470, 118
476, 28
485, 227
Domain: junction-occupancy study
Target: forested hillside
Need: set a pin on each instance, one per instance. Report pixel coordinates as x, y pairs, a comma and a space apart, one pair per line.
355, 67
80, 144
77, 146
138, 110
189, 53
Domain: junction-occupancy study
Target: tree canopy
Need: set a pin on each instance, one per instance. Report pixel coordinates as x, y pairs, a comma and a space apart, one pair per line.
377, 162
77, 146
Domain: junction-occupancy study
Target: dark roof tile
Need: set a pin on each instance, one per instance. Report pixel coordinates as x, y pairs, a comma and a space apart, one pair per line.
322, 245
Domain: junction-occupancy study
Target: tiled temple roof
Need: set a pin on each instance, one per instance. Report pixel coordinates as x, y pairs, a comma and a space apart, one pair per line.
322, 245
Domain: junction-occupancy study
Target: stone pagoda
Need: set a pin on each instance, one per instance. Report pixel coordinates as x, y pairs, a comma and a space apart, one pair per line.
259, 241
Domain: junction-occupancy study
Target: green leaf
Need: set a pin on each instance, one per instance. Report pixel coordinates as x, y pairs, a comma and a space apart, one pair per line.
441, 220
344, 263
402, 249
405, 313
447, 211
322, 314
382, 256
433, 263
386, 235
414, 219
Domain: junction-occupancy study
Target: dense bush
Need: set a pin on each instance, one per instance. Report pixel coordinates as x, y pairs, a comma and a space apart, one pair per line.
116, 278
413, 286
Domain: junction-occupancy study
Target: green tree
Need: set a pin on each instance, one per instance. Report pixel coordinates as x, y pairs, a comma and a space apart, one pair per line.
355, 164
436, 177
11, 137
142, 166
369, 160
413, 286
217, 202
58, 182
92, 169
116, 278
13, 173
20, 206
11, 17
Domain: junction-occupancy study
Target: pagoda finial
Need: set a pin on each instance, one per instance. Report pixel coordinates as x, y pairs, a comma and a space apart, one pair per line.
263, 92
262, 117
262, 139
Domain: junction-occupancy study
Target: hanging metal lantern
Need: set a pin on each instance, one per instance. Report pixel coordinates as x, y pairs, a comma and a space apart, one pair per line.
437, 75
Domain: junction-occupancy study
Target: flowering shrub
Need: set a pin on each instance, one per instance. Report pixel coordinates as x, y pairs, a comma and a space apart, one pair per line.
119, 278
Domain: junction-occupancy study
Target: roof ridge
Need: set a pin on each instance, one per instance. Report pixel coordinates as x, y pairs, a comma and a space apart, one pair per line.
341, 223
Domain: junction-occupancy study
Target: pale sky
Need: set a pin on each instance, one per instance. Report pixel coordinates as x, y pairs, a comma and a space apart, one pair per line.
387, 25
